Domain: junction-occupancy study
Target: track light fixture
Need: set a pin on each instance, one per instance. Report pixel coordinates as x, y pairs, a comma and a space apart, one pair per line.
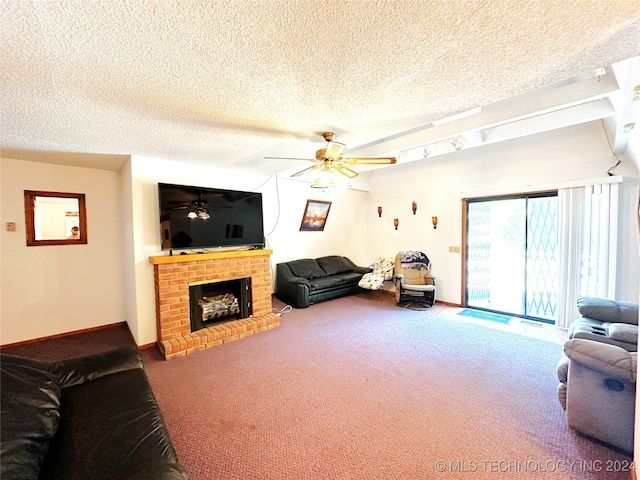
426, 153
457, 144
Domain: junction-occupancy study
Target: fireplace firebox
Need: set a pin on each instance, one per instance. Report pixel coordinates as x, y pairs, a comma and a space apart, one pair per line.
218, 302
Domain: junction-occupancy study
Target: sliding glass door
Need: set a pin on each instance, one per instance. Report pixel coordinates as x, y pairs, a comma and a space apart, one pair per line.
511, 255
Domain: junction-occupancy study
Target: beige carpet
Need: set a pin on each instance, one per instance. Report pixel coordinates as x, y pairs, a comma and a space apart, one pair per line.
357, 388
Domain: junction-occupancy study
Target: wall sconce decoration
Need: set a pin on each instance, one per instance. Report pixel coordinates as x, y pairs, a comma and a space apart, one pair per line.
395, 223
414, 207
434, 220
379, 211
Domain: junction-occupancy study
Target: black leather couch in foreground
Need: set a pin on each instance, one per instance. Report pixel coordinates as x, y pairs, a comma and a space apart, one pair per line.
93, 417
301, 283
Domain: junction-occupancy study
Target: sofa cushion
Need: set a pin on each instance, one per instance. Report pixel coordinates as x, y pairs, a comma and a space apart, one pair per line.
348, 277
30, 415
333, 264
608, 310
325, 282
111, 428
306, 268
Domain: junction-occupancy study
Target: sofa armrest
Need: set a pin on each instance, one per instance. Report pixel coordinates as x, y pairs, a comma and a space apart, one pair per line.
292, 289
85, 369
362, 270
608, 359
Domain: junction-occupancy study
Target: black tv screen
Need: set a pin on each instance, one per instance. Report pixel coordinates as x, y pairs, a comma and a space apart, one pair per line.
200, 217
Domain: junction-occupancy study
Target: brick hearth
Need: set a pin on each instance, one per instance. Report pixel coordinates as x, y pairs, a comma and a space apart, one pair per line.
174, 274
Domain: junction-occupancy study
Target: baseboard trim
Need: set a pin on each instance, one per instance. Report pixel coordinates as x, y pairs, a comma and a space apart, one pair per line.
449, 304
67, 334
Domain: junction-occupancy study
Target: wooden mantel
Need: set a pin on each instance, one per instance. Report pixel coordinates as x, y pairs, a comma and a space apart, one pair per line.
194, 257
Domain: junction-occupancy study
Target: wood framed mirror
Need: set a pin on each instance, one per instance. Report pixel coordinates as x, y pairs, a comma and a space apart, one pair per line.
55, 218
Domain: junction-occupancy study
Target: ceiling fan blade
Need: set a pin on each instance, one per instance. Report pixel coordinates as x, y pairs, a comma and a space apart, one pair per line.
346, 171
306, 170
370, 161
290, 158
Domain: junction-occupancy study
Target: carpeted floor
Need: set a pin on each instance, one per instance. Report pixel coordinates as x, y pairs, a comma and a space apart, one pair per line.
357, 388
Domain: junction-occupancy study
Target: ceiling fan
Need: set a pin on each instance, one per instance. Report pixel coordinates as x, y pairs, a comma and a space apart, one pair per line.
330, 160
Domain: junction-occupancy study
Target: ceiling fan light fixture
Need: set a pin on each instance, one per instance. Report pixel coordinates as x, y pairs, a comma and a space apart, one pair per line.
192, 215
324, 179
203, 214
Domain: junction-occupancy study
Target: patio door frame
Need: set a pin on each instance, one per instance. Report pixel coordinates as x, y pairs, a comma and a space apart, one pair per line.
464, 244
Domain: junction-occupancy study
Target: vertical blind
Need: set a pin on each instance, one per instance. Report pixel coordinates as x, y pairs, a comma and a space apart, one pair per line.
588, 237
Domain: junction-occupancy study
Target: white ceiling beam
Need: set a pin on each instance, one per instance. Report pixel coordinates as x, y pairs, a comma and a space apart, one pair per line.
539, 103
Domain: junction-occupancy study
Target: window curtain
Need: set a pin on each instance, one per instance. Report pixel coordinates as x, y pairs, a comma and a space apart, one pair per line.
588, 231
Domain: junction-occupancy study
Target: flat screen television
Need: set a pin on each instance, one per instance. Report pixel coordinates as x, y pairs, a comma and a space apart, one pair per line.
200, 217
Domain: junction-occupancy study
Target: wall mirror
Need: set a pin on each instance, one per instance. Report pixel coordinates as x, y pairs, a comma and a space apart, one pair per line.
55, 218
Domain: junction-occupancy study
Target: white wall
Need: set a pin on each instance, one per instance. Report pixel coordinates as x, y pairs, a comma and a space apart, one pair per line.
284, 201
437, 185
66, 288
48, 290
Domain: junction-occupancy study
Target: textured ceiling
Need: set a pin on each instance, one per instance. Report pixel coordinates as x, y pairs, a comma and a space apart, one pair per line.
225, 83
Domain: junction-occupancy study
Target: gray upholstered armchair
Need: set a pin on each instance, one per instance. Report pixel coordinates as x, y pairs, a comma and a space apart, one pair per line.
598, 389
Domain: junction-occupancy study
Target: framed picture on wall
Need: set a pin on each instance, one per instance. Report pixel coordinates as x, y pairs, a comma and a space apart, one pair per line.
315, 216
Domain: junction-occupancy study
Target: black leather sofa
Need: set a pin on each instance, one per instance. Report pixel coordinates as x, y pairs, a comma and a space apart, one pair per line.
93, 417
304, 282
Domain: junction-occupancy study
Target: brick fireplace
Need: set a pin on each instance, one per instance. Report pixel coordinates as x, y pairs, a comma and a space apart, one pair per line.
175, 274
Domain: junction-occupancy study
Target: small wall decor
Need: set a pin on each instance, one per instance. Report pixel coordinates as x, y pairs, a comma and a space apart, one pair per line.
55, 218
315, 216
380, 211
434, 220
395, 223
414, 207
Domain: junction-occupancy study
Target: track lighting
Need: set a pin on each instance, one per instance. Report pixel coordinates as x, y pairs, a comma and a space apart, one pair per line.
457, 144
426, 153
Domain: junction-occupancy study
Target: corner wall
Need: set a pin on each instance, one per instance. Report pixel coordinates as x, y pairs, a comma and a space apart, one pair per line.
49, 290
284, 201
